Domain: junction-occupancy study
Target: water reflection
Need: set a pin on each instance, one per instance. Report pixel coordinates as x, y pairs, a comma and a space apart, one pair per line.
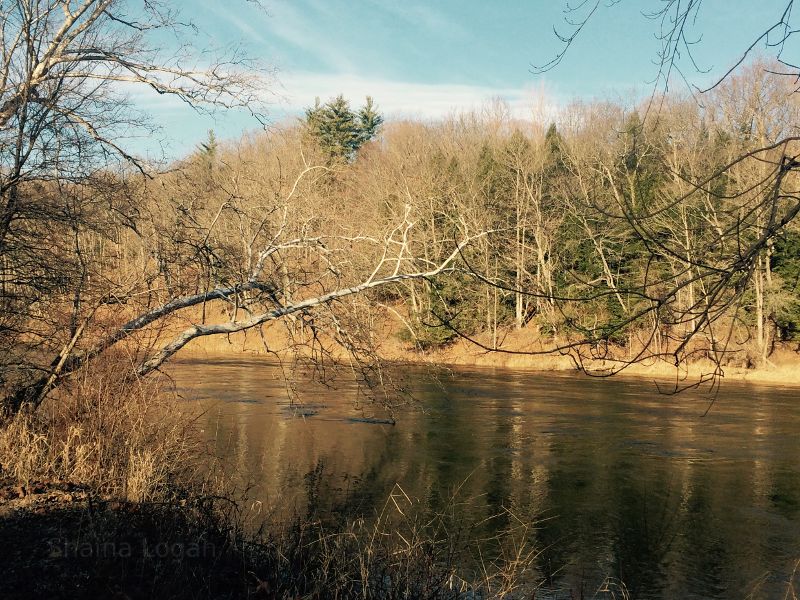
622, 481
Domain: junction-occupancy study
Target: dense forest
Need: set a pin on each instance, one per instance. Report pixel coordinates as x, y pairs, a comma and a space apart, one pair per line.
615, 231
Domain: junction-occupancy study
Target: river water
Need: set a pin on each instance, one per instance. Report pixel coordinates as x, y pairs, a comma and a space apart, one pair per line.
620, 480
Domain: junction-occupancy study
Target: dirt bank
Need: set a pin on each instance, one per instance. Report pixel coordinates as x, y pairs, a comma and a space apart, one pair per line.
519, 350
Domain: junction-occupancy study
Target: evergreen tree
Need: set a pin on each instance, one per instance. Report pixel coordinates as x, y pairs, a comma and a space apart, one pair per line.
555, 151
207, 151
785, 263
339, 130
369, 120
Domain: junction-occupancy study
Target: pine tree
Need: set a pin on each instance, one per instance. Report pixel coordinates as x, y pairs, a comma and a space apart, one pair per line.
208, 150
340, 131
369, 121
555, 150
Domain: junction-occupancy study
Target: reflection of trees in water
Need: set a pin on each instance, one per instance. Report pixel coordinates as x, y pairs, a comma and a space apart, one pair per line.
644, 528
621, 483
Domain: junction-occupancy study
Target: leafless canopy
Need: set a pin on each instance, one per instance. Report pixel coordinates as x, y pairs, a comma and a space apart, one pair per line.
67, 70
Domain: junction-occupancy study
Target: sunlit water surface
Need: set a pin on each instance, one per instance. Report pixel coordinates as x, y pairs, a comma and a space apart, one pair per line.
622, 481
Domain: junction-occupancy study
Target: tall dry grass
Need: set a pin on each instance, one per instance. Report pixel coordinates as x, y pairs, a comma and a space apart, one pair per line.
124, 437
404, 551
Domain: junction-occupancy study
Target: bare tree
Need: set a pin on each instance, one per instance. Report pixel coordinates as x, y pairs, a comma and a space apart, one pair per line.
255, 237
749, 195
67, 67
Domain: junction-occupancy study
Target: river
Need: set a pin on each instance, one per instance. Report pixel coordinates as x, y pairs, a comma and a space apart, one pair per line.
620, 480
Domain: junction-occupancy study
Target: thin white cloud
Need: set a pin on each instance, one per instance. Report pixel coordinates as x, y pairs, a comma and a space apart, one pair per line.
402, 99
295, 28
422, 15
242, 25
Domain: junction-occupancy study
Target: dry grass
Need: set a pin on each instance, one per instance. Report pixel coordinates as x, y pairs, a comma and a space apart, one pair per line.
782, 370
402, 552
794, 582
124, 437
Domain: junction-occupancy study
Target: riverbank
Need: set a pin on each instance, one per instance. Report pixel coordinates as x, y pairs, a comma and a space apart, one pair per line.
67, 540
524, 350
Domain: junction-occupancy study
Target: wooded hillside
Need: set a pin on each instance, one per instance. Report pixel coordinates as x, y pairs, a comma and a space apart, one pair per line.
663, 232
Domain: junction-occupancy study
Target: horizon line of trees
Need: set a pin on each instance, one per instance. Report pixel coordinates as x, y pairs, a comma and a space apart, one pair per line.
613, 233
646, 232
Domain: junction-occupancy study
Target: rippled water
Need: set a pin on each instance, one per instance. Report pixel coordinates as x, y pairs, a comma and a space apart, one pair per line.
621, 480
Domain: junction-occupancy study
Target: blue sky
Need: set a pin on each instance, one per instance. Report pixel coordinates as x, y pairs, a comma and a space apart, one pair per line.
431, 58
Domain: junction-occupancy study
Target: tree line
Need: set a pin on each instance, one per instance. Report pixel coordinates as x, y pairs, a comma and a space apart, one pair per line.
617, 232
